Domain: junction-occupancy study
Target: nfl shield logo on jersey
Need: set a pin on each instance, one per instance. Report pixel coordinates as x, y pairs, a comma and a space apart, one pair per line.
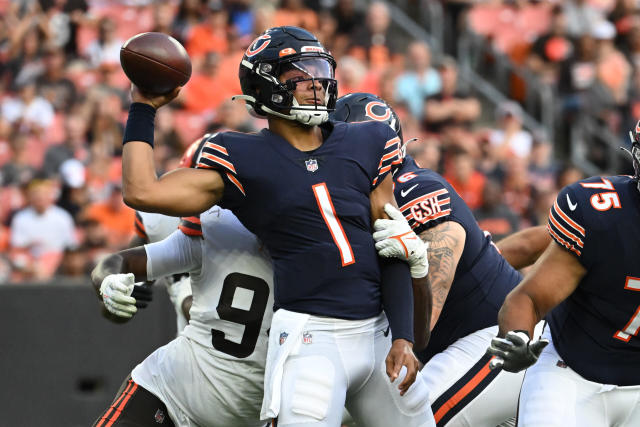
159, 416
283, 337
306, 338
312, 165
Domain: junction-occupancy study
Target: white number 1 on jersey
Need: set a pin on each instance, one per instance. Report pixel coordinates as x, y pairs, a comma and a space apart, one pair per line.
631, 328
331, 219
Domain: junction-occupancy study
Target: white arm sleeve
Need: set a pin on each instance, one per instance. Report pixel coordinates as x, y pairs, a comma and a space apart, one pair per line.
177, 253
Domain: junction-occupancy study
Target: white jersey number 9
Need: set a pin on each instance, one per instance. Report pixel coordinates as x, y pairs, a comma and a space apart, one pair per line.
250, 288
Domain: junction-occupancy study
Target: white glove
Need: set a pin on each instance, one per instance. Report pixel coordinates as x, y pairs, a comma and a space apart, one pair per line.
394, 238
116, 292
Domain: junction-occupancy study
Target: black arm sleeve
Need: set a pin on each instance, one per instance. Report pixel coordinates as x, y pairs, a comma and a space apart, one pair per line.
397, 297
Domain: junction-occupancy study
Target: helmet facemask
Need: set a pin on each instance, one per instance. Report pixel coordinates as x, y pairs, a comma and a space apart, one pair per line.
634, 135
277, 98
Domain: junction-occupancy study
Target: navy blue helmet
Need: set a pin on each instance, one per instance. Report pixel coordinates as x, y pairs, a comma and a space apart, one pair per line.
275, 52
362, 106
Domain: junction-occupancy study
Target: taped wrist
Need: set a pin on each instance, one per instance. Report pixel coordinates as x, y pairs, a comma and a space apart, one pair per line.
140, 123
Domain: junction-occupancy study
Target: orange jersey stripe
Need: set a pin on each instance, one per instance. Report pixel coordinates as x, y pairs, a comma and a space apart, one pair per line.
114, 404
390, 155
122, 405
190, 231
464, 391
194, 219
236, 182
384, 170
216, 147
392, 141
562, 242
566, 218
220, 161
566, 233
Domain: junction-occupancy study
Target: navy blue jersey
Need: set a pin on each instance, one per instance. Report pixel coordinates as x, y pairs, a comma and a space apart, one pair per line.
311, 210
483, 278
594, 330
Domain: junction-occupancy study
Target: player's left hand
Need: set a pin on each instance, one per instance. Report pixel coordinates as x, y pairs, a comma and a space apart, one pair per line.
401, 354
515, 352
394, 238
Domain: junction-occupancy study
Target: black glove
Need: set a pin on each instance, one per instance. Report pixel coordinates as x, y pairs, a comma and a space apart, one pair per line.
515, 352
143, 294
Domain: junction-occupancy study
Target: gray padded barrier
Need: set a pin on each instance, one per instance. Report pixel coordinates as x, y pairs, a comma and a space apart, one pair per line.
61, 362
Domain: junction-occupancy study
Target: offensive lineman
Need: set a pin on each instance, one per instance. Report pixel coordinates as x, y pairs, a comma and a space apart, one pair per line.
587, 284
469, 280
309, 189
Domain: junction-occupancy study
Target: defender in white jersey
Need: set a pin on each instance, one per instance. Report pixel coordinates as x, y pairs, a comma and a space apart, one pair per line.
151, 228
212, 374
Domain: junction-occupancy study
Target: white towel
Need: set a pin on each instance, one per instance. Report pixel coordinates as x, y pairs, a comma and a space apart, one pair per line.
285, 338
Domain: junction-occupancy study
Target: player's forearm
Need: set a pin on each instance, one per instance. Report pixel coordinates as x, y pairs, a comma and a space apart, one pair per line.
397, 297
138, 176
524, 247
128, 261
421, 312
518, 313
446, 243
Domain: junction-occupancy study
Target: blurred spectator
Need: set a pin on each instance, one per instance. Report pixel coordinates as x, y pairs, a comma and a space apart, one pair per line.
579, 72
510, 139
419, 81
232, 115
73, 195
551, 49
375, 41
613, 73
451, 107
353, 76
53, 85
242, 19
64, 19
107, 128
582, 17
106, 48
348, 16
426, 153
74, 145
517, 187
28, 112
542, 167
75, 264
27, 42
40, 232
204, 93
540, 204
20, 170
465, 179
188, 15
211, 34
114, 216
493, 215
568, 175
294, 12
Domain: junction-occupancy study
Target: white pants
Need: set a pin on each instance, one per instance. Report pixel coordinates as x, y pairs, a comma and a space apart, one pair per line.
200, 389
555, 395
464, 391
341, 362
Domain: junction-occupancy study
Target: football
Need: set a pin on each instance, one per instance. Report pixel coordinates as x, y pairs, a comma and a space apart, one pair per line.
155, 62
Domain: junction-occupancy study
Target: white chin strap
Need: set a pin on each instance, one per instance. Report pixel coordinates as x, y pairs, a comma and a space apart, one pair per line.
305, 114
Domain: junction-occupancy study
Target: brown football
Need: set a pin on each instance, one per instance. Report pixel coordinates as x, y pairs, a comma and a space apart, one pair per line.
155, 62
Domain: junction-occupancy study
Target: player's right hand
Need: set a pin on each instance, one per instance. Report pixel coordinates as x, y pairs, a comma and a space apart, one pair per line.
401, 354
156, 101
395, 239
515, 352
116, 290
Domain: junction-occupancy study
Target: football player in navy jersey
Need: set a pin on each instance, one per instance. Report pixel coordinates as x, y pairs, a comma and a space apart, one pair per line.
468, 277
309, 189
587, 284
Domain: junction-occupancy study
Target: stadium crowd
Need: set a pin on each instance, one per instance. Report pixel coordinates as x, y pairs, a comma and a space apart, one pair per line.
64, 98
